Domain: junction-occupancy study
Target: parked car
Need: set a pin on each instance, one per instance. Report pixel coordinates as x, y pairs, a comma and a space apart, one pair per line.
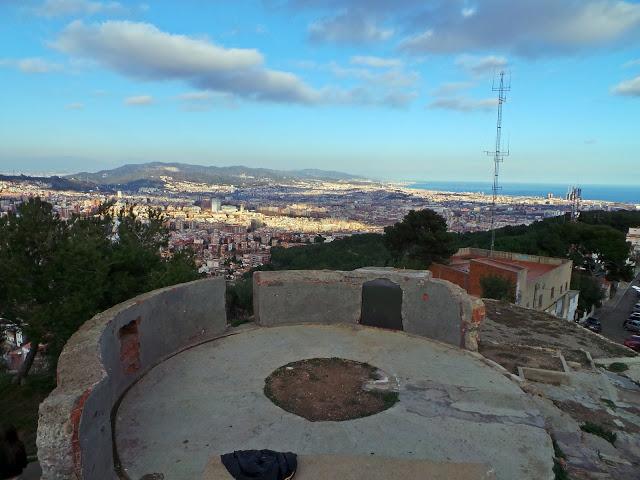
633, 326
636, 288
593, 324
633, 342
634, 316
630, 320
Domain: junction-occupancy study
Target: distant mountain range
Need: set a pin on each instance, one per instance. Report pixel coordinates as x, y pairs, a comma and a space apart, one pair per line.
154, 174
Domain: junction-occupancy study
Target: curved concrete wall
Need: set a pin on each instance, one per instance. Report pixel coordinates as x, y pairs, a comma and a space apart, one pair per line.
432, 308
102, 359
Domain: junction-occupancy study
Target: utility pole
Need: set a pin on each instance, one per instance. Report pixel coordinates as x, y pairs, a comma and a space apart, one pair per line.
498, 155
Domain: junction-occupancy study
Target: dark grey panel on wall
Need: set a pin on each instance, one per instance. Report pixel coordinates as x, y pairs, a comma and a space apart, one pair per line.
382, 304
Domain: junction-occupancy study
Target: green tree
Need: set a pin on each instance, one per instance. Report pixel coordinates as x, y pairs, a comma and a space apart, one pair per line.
29, 243
348, 253
55, 275
498, 288
420, 239
590, 292
595, 247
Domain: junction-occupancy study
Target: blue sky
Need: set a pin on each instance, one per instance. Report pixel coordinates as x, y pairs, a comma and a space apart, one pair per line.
389, 89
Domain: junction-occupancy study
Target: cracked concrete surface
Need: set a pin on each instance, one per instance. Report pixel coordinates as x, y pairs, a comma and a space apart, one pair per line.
208, 400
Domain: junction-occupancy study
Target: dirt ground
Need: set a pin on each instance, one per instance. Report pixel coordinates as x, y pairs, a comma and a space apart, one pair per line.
510, 324
327, 389
513, 356
583, 414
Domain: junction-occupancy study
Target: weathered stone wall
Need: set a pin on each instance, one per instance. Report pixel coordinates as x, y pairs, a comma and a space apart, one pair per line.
432, 308
104, 358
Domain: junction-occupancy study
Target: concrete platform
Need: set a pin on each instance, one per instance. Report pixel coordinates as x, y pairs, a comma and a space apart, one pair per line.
208, 400
343, 467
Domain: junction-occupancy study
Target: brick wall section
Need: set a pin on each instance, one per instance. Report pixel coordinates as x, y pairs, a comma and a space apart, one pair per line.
449, 274
130, 347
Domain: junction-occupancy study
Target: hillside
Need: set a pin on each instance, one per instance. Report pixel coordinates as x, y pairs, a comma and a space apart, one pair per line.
234, 175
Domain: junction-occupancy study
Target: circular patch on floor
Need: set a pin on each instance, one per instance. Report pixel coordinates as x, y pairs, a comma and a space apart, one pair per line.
331, 389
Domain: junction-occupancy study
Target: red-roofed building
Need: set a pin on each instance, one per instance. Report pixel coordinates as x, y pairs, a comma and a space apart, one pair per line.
541, 283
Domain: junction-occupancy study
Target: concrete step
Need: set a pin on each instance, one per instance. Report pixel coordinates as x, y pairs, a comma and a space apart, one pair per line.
323, 467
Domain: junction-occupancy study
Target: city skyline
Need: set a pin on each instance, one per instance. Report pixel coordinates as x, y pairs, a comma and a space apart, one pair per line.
354, 86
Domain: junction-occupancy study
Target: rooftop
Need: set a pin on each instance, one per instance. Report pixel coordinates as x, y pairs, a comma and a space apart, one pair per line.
209, 400
534, 269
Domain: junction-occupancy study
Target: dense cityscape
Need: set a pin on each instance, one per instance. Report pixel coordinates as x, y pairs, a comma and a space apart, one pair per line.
361, 240
232, 229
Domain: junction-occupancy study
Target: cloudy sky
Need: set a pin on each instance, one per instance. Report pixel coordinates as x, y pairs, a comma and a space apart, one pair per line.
396, 89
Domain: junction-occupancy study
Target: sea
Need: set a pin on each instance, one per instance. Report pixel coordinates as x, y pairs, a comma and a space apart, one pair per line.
611, 193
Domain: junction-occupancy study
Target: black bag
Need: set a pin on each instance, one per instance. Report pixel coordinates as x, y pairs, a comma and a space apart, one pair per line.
260, 465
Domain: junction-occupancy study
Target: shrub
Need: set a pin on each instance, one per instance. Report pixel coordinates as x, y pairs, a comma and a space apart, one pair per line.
498, 288
618, 367
596, 429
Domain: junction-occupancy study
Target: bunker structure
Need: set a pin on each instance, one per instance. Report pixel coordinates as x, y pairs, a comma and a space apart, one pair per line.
160, 385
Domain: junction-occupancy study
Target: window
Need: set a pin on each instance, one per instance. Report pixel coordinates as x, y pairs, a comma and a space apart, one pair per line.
540, 301
553, 292
561, 289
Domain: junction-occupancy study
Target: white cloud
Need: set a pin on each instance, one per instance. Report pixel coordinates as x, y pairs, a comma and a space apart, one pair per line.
629, 88
468, 12
464, 104
388, 78
389, 87
399, 99
376, 62
65, 8
348, 27
451, 87
37, 65
367, 97
75, 106
632, 63
139, 100
32, 65
142, 51
204, 100
481, 65
195, 96
521, 27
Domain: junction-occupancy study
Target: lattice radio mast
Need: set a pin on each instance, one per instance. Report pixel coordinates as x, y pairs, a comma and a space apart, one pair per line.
498, 155
574, 195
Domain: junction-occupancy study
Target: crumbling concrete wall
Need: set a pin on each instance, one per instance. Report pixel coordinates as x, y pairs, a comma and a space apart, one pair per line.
432, 308
106, 355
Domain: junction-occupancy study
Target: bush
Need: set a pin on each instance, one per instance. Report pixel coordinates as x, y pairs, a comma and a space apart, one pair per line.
618, 367
239, 298
498, 288
596, 429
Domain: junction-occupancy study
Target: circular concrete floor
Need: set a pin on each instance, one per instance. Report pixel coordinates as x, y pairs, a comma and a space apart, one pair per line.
209, 400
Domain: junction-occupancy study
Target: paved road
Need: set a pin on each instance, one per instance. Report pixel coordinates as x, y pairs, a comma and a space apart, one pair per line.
616, 312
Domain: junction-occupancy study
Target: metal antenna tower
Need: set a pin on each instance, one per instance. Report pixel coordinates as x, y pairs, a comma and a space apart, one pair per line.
574, 195
498, 155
